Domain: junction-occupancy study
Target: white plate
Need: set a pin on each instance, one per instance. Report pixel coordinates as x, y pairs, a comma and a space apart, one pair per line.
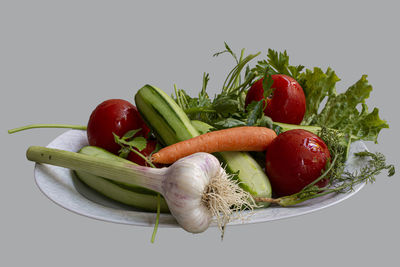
61, 186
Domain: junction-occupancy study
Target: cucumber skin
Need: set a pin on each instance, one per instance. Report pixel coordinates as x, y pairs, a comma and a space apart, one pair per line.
151, 103
171, 125
131, 195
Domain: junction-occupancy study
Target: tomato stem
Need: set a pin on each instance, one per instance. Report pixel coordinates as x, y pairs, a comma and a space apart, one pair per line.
148, 161
51, 125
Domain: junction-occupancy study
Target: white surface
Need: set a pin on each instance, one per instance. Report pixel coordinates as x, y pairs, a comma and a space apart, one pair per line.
62, 186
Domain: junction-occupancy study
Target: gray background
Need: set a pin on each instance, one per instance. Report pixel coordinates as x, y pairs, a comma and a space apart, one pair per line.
59, 59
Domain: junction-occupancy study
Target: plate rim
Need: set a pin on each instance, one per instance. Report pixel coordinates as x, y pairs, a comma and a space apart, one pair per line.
143, 218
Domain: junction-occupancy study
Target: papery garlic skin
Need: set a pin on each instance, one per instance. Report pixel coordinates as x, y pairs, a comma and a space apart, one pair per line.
183, 189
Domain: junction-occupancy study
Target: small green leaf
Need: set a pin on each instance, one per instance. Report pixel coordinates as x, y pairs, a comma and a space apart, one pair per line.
255, 110
279, 61
130, 134
227, 50
295, 71
229, 123
124, 152
138, 142
225, 104
267, 83
116, 138
317, 85
265, 121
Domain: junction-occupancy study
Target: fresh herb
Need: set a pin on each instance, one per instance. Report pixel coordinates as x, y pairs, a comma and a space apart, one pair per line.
340, 112
277, 63
340, 180
227, 108
343, 118
131, 143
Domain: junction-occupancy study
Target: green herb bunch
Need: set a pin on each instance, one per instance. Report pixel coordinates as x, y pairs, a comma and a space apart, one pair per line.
341, 120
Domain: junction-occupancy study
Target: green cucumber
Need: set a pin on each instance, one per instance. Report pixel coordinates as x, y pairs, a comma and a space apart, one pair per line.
170, 123
131, 195
161, 113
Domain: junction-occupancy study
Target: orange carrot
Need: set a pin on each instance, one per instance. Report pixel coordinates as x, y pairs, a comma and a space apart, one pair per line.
246, 138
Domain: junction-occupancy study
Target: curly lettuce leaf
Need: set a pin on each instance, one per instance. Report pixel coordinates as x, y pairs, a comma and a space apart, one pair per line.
316, 85
341, 110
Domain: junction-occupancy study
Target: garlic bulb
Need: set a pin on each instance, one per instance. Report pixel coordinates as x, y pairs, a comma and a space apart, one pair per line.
196, 188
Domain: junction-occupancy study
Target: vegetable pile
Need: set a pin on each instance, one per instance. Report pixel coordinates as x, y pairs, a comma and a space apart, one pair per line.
268, 128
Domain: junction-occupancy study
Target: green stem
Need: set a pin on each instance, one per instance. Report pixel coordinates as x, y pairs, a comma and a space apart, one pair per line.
322, 176
228, 83
286, 127
153, 236
143, 157
199, 109
34, 126
150, 178
296, 198
178, 98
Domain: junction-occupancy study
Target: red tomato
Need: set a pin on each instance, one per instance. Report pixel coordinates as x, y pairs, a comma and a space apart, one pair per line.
113, 116
294, 159
287, 104
150, 147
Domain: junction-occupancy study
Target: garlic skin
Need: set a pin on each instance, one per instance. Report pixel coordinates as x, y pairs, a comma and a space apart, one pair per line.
184, 186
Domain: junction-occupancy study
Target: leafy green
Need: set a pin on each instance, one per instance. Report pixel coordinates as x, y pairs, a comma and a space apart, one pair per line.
277, 63
338, 118
228, 123
129, 142
345, 112
255, 111
340, 111
316, 85
226, 110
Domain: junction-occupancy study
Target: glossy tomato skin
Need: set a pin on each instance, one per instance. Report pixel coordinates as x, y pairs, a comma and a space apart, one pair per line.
287, 103
113, 116
294, 159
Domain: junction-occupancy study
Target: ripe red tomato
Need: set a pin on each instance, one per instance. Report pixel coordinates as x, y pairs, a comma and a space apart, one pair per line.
294, 159
113, 116
287, 104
